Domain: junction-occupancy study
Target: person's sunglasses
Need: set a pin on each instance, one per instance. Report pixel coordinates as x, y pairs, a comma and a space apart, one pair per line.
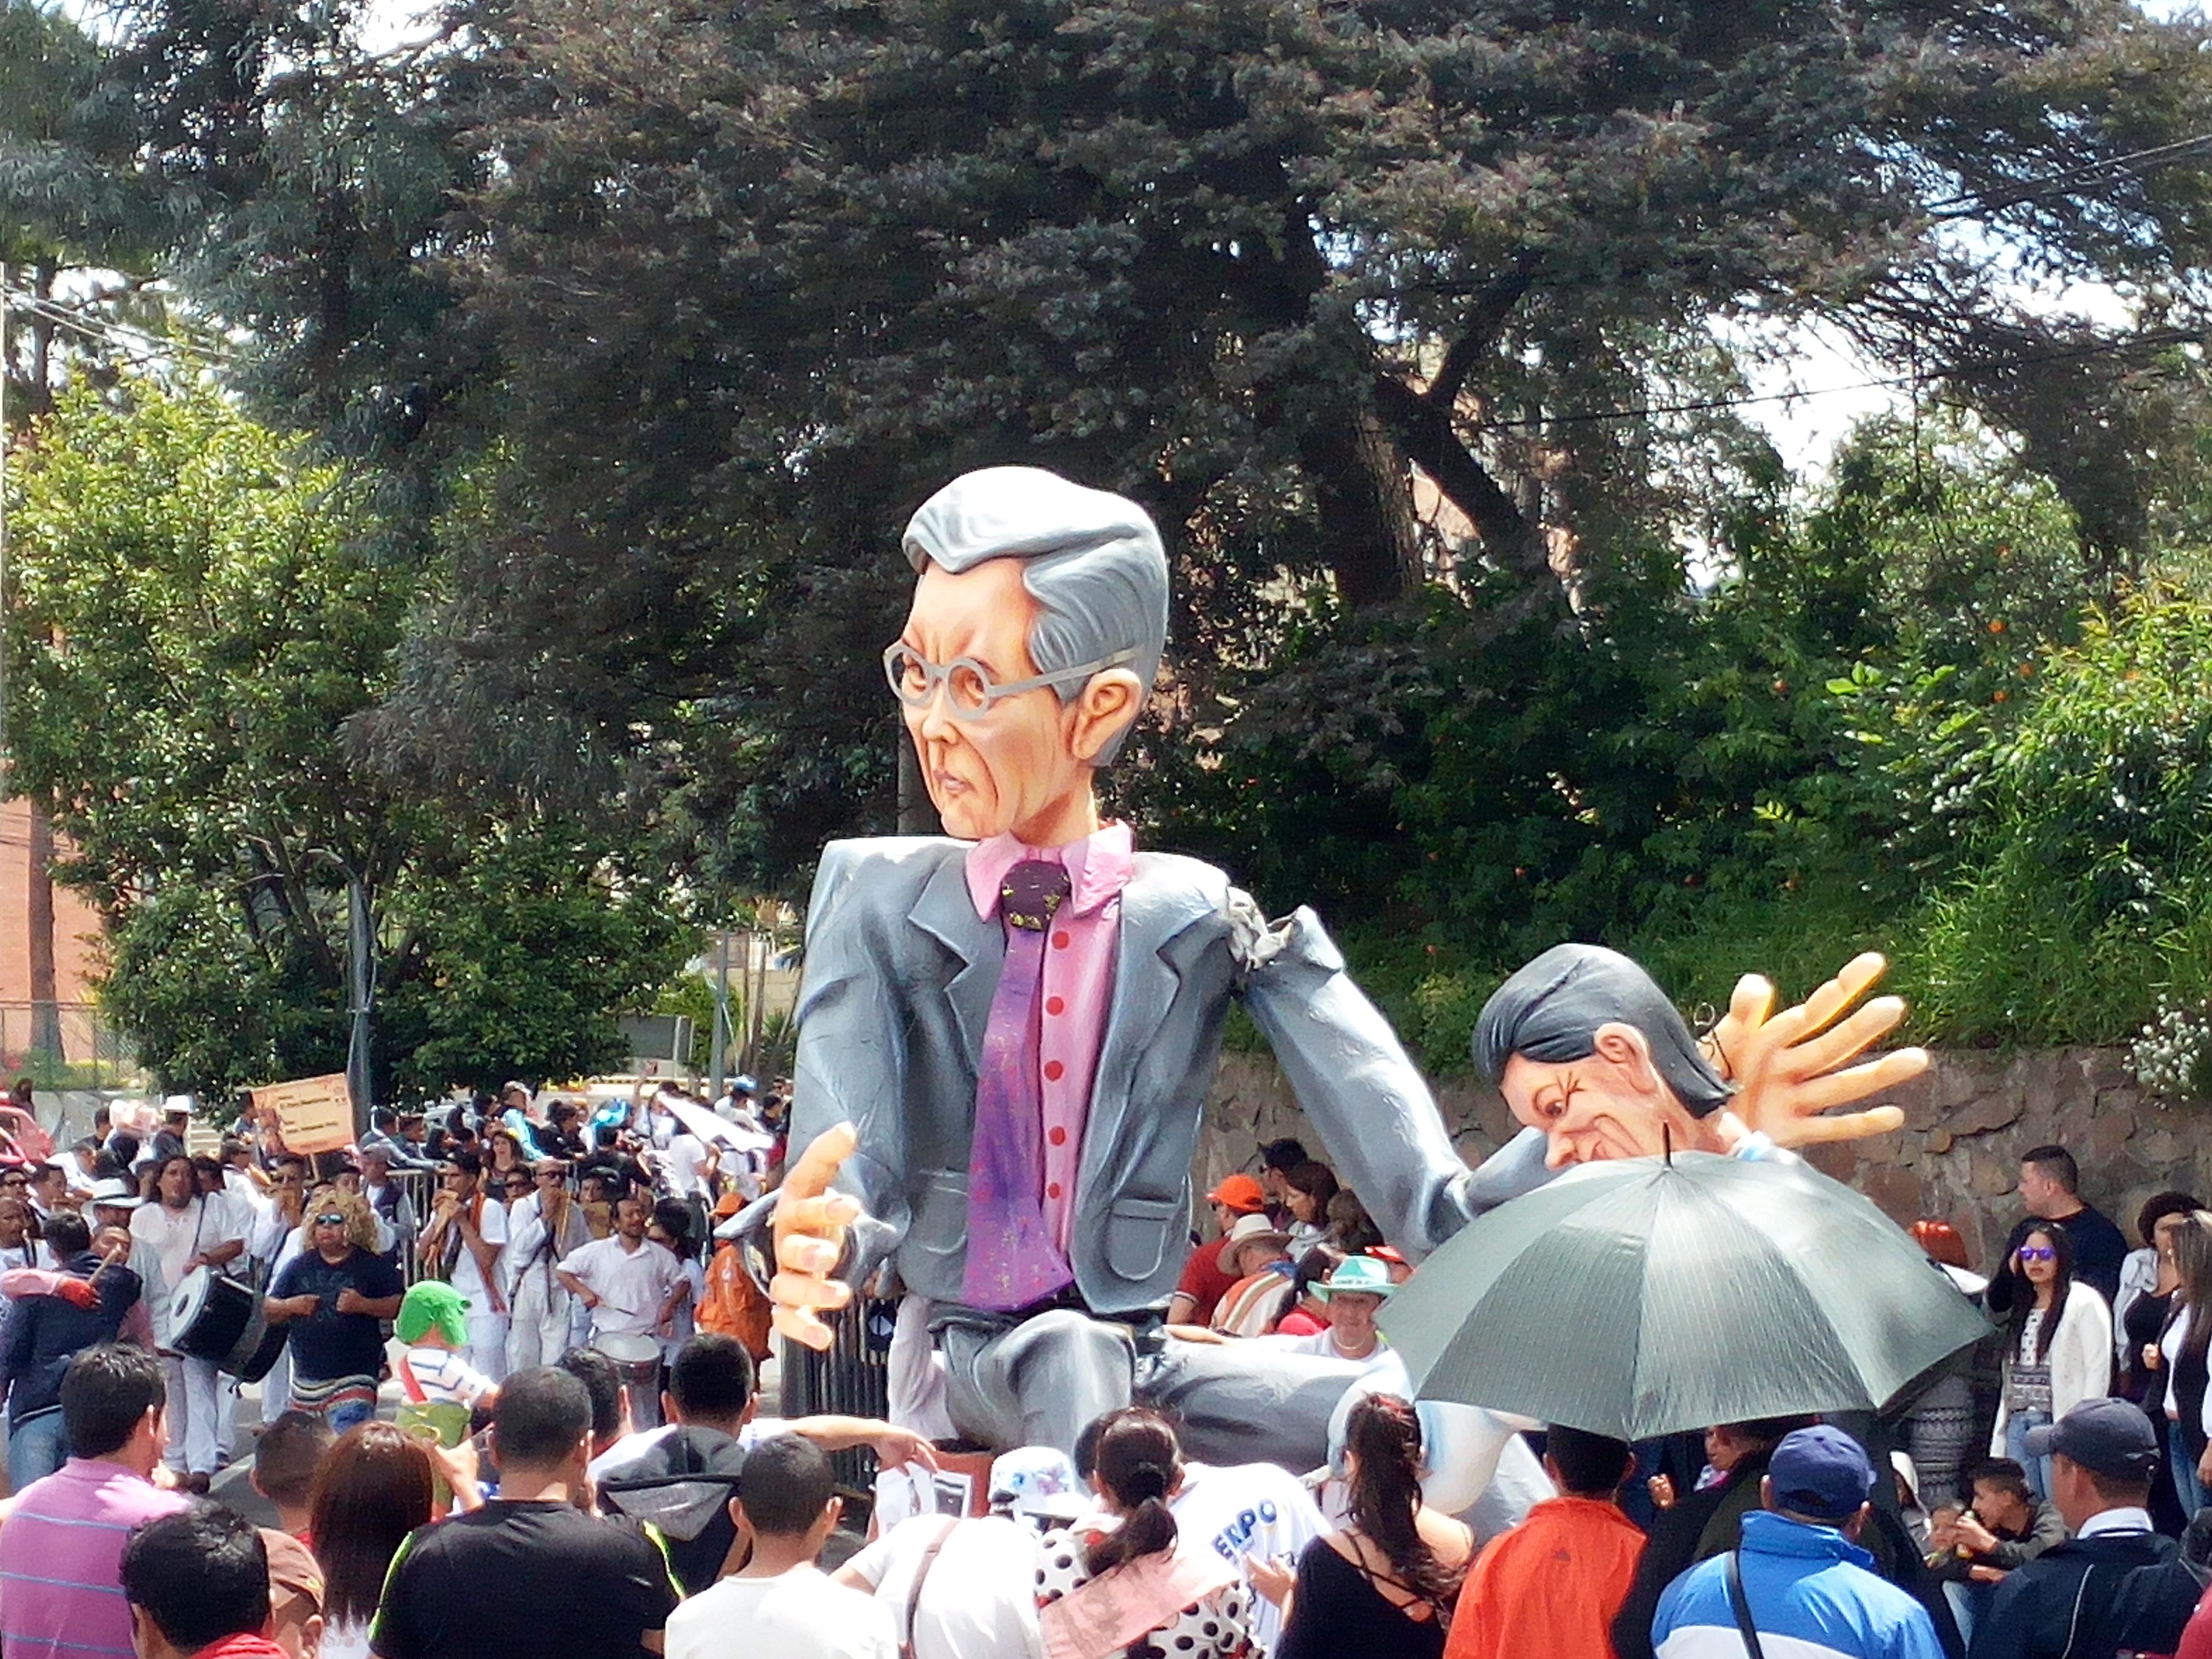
2038, 1253
333, 1220
551, 1177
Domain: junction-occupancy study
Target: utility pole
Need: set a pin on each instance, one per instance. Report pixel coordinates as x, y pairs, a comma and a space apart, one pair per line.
361, 998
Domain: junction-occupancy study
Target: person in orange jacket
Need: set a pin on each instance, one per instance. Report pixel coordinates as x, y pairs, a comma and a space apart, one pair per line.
1553, 1583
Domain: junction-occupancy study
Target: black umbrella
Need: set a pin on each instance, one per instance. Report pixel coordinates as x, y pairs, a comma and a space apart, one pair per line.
1645, 1295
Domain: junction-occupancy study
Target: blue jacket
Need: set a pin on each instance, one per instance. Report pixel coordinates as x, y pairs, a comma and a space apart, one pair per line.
1813, 1593
45, 1333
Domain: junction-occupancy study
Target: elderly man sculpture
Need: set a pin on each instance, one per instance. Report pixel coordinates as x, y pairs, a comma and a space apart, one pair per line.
1007, 1034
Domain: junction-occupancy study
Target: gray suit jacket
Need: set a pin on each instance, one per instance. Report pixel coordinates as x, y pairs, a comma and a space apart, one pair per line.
899, 977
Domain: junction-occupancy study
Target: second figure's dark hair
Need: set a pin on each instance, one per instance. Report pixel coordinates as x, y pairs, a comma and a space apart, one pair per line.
1138, 1463
1383, 1439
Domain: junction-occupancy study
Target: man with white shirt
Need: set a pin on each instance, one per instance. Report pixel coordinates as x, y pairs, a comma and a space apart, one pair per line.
187, 1231
779, 1602
629, 1285
543, 1231
2104, 1457
463, 1243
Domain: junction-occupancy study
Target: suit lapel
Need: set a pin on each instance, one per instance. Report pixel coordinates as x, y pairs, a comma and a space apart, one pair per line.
1155, 919
947, 913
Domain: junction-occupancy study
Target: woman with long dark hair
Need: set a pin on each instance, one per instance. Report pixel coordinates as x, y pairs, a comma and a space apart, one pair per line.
2058, 1346
1308, 1190
1176, 1597
2181, 1352
1383, 1587
375, 1485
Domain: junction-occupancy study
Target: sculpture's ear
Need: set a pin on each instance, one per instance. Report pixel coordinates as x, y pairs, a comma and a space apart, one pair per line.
1106, 708
1623, 1045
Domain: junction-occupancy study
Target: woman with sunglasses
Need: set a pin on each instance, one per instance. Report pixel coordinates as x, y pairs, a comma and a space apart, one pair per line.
332, 1297
2058, 1346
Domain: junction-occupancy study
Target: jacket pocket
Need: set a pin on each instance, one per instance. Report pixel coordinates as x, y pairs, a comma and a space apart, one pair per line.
941, 1216
1137, 1234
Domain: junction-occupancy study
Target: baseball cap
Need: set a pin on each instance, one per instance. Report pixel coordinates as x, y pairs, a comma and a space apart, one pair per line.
1241, 1194
116, 1192
2105, 1437
1821, 1472
434, 1304
1038, 1480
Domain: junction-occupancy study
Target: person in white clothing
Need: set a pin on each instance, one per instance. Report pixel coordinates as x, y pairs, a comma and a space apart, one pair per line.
2058, 1346
779, 1602
630, 1284
462, 1243
543, 1231
187, 1231
1248, 1512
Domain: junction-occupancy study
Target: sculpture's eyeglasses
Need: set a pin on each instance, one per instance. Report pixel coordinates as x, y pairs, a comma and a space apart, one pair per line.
2038, 1253
970, 688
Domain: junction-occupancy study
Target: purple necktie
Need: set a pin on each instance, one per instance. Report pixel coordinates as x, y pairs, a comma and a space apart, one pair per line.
1012, 1260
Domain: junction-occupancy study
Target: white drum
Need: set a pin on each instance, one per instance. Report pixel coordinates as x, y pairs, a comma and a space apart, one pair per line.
638, 1359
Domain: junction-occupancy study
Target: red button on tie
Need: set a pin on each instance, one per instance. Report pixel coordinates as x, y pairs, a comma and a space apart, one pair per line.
1058, 1137
1053, 1191
1059, 940
1055, 1004
1054, 1071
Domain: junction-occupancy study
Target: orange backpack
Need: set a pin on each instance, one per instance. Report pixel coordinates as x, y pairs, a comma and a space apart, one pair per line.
733, 1305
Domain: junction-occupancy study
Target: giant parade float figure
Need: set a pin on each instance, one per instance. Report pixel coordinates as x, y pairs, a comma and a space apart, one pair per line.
1007, 1033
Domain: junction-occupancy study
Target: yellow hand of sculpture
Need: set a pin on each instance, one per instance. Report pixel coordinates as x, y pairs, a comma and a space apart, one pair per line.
1792, 1068
810, 1226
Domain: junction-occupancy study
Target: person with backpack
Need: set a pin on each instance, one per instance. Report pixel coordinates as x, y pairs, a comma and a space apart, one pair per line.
2115, 1586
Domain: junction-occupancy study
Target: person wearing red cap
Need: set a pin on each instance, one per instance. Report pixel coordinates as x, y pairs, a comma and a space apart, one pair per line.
1206, 1277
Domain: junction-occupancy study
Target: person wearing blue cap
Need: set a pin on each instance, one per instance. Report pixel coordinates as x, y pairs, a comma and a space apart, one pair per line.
1799, 1584
2116, 1585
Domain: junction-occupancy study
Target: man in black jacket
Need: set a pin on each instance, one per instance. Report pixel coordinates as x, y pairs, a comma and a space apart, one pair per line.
1699, 1525
45, 1333
2050, 1190
2116, 1585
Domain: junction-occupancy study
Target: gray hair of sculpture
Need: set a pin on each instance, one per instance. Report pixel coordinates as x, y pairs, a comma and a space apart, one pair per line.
1094, 566
1550, 1011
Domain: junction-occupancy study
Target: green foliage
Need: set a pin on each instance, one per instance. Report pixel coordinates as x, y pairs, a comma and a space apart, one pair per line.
197, 625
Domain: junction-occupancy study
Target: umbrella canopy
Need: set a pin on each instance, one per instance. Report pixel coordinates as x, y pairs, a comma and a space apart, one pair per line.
1642, 1297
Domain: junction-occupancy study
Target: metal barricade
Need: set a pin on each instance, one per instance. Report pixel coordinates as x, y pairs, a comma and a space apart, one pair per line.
852, 1379
420, 1189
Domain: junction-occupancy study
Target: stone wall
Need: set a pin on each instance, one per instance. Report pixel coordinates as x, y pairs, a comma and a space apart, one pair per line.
1958, 1157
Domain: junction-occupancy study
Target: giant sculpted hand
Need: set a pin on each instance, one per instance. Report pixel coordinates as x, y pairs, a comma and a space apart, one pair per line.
1790, 1068
809, 1229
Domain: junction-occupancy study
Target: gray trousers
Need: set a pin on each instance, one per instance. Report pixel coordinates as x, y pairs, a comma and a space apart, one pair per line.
1040, 1382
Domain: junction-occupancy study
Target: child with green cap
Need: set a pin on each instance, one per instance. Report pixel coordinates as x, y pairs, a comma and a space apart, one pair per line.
434, 1324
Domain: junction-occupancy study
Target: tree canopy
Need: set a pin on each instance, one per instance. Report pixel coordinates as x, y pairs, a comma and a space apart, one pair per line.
195, 623
1422, 330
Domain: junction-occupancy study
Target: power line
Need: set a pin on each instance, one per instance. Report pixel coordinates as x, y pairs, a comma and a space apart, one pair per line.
1703, 406
2160, 156
106, 330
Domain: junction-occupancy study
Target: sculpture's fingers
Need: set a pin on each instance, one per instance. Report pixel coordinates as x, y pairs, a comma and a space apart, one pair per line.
806, 1291
1817, 1055
797, 1325
1847, 1126
1850, 983
818, 1216
810, 1176
806, 1252
1752, 1002
1876, 1076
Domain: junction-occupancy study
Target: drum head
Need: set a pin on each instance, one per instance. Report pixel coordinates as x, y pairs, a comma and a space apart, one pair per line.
191, 1299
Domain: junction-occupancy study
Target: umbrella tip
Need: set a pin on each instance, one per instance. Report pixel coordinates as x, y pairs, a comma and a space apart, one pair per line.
1667, 1143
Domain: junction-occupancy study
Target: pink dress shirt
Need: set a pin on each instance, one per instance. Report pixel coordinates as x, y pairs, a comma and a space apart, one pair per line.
1078, 985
